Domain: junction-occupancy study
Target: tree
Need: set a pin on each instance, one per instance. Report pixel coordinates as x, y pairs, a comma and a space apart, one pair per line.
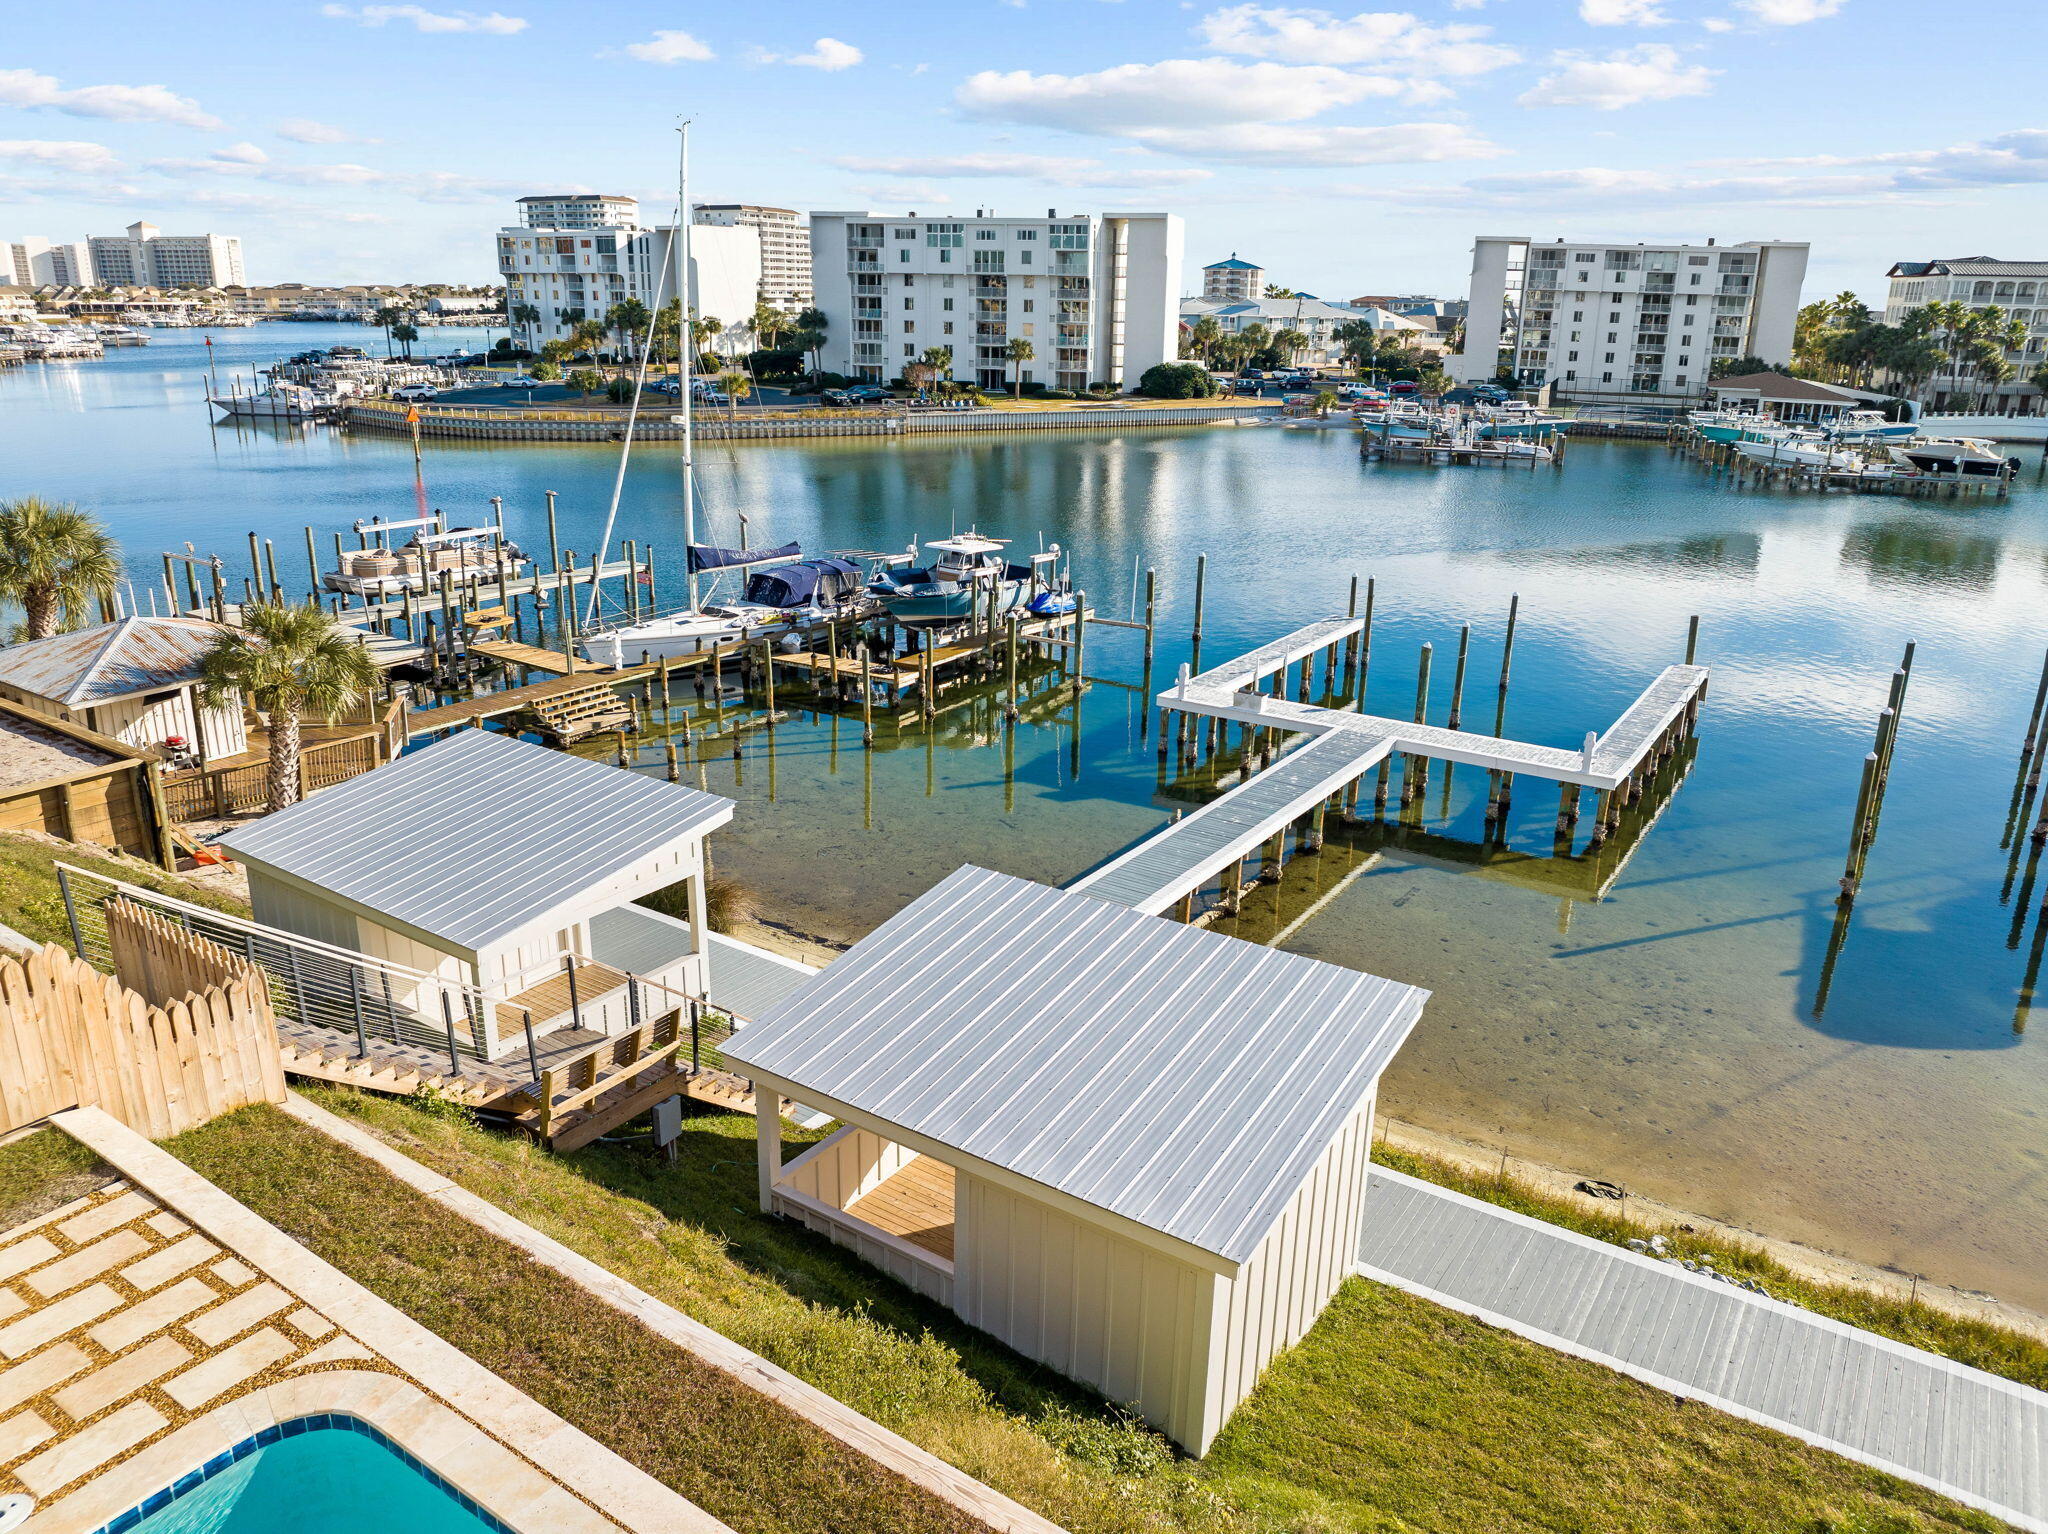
1203, 336
586, 382
53, 556
737, 386
587, 336
525, 316
1434, 380
809, 336
1019, 351
546, 370
1177, 380
920, 376
405, 333
768, 323
1326, 401
288, 661
705, 329
939, 359
388, 317
1290, 344
557, 351
628, 320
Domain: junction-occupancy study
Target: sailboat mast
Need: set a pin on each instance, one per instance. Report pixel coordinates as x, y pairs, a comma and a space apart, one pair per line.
685, 343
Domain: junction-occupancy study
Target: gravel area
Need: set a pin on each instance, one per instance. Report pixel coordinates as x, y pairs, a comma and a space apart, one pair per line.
29, 753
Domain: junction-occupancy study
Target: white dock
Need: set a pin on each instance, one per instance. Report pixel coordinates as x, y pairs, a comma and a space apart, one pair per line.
1966, 1434
1342, 748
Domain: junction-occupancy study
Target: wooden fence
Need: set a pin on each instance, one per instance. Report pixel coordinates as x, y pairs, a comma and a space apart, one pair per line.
186, 1032
218, 792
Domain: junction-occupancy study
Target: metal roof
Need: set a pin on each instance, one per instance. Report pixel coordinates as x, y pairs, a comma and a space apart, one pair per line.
1182, 1079
1232, 265
110, 660
475, 837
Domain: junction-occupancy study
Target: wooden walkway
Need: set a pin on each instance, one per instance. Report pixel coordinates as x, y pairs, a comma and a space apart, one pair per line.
916, 1204
1969, 1435
493, 705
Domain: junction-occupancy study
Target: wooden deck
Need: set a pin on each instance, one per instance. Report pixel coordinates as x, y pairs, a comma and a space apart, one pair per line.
551, 998
493, 705
916, 1204
533, 657
1973, 1436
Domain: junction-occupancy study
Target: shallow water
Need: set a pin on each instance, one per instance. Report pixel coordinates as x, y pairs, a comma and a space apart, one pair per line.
1665, 1036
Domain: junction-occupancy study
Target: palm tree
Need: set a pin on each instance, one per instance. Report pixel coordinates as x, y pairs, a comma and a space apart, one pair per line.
705, 329
737, 386
939, 359
287, 661
525, 316
628, 318
389, 315
810, 333
1203, 336
587, 336
405, 333
557, 351
53, 556
1019, 351
1292, 343
768, 323
586, 381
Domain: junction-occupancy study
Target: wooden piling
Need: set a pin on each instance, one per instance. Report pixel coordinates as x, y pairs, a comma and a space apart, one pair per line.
554, 546
1415, 769
1010, 660
867, 700
1866, 797
1692, 643
1458, 675
1151, 610
1195, 637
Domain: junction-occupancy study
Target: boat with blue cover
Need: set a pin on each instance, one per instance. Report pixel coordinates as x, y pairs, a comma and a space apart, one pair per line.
971, 572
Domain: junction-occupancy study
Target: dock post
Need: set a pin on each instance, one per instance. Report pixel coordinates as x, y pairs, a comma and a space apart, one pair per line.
2040, 693
632, 582
1866, 796
1079, 649
312, 565
664, 688
1233, 889
1415, 770
669, 751
867, 699
1602, 807
1567, 809
1195, 638
1692, 638
1351, 640
1151, 594
1364, 648
1010, 698
1313, 842
256, 558
1273, 857
1458, 676
554, 547
768, 677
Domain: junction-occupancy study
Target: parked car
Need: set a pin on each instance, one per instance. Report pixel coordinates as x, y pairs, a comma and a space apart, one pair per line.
868, 392
1246, 386
521, 381
716, 397
416, 392
1251, 373
1405, 386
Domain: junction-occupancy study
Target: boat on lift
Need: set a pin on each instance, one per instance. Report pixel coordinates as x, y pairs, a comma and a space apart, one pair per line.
970, 573
463, 556
785, 596
1870, 426
1955, 455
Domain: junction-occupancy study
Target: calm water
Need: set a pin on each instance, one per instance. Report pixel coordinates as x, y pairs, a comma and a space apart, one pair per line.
1667, 1035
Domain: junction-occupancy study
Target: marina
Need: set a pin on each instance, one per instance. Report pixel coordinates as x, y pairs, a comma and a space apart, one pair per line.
1678, 1012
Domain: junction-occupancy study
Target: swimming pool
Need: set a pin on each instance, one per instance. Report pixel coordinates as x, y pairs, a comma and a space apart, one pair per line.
330, 1474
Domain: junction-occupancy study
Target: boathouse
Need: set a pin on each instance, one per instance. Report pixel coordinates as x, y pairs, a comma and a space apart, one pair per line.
1790, 399
135, 681
1130, 1149
502, 874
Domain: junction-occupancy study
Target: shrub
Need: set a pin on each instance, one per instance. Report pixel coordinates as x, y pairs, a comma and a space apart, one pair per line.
546, 371
1058, 394
619, 390
1177, 380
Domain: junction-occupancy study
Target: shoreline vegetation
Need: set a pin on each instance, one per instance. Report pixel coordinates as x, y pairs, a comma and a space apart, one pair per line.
1394, 1416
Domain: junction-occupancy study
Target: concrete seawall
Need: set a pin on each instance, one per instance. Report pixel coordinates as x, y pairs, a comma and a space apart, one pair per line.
519, 425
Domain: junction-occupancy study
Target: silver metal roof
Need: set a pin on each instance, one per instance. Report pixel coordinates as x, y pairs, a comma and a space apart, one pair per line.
110, 660
477, 836
1183, 1079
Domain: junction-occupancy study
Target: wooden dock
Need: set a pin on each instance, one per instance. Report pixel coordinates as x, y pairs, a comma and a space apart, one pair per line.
1966, 1434
556, 691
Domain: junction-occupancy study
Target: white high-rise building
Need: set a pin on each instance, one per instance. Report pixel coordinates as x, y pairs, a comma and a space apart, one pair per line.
578, 269
1233, 281
1097, 295
146, 257
785, 247
2020, 288
36, 263
1600, 319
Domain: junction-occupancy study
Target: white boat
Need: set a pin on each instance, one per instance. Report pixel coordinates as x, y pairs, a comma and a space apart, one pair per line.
1869, 426
463, 556
1804, 451
1954, 455
970, 574
282, 401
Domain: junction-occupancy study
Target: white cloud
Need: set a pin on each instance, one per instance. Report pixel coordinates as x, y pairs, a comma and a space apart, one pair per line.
670, 48
74, 155
1283, 145
1175, 93
424, 20
827, 53
1651, 72
304, 130
1790, 13
243, 153
1391, 40
122, 103
1623, 13
425, 186
1718, 24
1058, 170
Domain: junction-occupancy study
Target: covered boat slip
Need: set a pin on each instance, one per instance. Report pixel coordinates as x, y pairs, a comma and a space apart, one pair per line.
1131, 1150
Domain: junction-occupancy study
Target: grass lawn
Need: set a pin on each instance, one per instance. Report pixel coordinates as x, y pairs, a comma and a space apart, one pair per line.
1393, 1415
32, 904
42, 1171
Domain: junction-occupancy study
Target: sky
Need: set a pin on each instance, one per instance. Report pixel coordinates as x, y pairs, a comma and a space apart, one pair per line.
1348, 152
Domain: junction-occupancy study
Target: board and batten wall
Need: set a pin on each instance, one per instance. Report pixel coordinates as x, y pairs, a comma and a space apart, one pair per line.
1180, 1342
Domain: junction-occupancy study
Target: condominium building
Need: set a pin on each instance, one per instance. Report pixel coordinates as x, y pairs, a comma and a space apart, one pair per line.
1641, 320
146, 257
1233, 281
785, 247
571, 272
1308, 315
579, 210
41, 263
1096, 295
2019, 288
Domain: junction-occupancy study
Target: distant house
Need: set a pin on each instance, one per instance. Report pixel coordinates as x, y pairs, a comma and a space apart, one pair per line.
1788, 398
136, 680
1131, 1150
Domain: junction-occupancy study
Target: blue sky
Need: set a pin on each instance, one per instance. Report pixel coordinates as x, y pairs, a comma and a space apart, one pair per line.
1347, 151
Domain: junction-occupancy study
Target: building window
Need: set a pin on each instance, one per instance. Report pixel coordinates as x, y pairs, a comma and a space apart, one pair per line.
945, 255
1695, 279
1027, 306
909, 350
943, 236
903, 254
947, 327
1023, 258
1607, 377
904, 234
984, 234
1610, 356
909, 303
1571, 356
1027, 234
910, 327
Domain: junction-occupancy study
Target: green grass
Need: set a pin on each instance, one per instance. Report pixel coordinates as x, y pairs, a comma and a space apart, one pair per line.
1980, 1344
42, 1171
1393, 1415
32, 903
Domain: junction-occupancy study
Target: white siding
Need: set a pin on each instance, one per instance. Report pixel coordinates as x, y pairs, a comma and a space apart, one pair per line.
1124, 1318
1283, 1288
285, 906
846, 1166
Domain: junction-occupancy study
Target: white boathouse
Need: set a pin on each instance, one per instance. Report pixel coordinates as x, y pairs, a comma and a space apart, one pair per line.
503, 875
1132, 1150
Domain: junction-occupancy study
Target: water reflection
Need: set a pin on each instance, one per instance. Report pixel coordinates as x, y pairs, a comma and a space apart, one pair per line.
1921, 553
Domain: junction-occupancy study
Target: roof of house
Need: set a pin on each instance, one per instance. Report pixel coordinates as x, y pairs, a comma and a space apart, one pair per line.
476, 837
1232, 265
1969, 266
110, 660
1182, 1079
1281, 312
1769, 385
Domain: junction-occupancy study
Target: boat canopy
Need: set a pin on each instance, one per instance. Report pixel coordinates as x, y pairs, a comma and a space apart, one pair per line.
812, 580
704, 556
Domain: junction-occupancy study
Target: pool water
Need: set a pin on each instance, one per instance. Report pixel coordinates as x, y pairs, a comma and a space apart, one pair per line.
316, 1475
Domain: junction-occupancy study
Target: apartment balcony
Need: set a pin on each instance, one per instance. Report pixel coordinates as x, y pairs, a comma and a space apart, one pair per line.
864, 242
864, 260
986, 286
1073, 356
991, 308
1073, 333
1076, 287
992, 332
